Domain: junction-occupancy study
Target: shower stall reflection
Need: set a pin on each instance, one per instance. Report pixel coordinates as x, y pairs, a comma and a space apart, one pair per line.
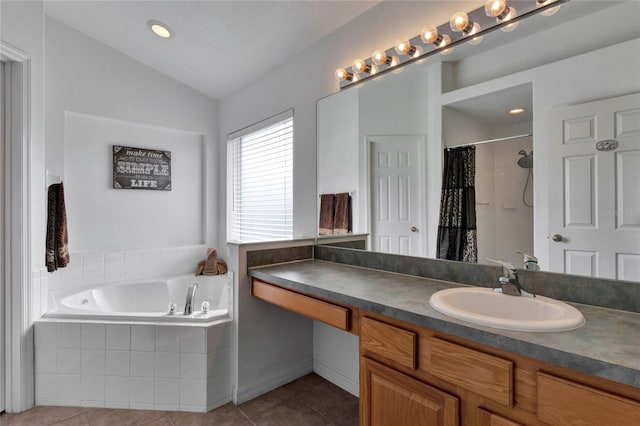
504, 199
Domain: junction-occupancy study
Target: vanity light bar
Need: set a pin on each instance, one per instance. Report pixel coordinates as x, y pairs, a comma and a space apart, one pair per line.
478, 23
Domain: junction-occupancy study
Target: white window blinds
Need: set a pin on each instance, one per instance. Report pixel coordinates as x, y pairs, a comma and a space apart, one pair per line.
260, 181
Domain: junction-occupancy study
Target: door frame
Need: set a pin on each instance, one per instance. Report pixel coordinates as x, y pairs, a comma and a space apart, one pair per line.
420, 141
2, 238
18, 345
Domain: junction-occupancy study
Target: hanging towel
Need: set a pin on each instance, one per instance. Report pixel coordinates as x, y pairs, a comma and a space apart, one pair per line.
342, 221
211, 265
57, 244
327, 207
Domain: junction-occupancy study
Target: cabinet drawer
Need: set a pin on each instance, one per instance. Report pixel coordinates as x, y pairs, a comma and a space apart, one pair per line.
320, 310
484, 374
562, 402
389, 341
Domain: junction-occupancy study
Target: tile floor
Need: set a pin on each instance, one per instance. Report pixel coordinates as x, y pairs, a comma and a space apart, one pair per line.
308, 401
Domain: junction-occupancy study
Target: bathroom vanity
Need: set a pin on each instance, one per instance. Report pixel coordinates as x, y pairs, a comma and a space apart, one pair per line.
420, 367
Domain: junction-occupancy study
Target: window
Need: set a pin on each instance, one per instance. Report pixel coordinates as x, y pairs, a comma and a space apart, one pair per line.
260, 181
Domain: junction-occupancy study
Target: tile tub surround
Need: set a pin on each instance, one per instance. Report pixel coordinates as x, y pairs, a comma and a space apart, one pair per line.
153, 367
614, 294
91, 268
606, 346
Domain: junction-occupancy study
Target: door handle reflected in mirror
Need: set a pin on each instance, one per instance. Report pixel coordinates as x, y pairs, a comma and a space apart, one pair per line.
414, 229
556, 237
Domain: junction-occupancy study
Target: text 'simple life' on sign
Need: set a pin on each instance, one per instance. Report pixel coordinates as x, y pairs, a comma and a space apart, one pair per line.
141, 168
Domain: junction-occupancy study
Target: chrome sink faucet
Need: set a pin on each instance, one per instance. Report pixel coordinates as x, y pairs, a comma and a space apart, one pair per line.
191, 295
509, 283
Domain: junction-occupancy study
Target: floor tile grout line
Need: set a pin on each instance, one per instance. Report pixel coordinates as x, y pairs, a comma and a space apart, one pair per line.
66, 418
245, 415
313, 409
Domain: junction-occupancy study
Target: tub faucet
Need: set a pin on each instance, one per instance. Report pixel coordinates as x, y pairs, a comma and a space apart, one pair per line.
191, 294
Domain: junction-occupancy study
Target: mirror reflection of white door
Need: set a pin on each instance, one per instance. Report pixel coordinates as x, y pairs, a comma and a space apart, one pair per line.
594, 195
396, 194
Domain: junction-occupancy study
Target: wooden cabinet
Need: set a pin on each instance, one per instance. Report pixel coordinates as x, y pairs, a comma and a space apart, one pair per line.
390, 398
404, 366
411, 375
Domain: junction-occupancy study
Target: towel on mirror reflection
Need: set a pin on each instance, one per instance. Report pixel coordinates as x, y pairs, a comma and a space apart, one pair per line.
327, 208
57, 243
211, 265
342, 221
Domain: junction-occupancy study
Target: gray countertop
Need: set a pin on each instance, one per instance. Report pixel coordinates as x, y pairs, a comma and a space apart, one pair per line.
607, 346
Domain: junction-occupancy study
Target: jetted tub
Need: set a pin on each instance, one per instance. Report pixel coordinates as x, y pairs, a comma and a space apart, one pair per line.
148, 300
117, 346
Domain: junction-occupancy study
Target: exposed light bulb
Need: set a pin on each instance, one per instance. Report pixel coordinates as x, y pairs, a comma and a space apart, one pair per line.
404, 47
380, 57
446, 40
475, 30
342, 74
494, 8
517, 111
361, 66
429, 34
512, 13
459, 22
551, 10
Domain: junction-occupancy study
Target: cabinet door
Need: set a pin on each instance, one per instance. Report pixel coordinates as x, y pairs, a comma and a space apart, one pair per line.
391, 398
490, 419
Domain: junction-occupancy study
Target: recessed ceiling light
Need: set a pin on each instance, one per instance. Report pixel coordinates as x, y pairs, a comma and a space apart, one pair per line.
160, 29
516, 111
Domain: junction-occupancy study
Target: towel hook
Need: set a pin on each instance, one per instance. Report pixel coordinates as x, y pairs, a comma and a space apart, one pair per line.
52, 179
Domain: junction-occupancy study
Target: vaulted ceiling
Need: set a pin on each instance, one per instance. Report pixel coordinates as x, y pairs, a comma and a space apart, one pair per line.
219, 46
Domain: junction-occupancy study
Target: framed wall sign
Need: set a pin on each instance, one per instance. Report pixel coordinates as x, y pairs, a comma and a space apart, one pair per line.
141, 168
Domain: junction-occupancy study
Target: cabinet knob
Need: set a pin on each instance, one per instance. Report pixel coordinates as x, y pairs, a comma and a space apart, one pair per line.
556, 237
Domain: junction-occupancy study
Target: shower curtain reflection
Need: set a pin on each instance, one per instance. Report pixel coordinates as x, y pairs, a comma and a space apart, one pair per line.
457, 234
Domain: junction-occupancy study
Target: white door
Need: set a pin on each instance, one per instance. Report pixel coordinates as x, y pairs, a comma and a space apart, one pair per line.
594, 195
396, 195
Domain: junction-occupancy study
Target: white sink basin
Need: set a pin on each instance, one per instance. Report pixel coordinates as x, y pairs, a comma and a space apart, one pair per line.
485, 307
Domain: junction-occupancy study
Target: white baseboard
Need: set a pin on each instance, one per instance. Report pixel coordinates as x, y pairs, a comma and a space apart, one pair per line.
271, 382
336, 378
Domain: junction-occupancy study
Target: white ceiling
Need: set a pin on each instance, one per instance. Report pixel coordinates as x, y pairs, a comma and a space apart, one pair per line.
492, 108
219, 46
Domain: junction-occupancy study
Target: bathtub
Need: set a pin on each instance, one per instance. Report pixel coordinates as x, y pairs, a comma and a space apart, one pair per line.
147, 300
117, 346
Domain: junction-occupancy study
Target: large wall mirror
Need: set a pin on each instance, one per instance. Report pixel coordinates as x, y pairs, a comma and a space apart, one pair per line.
547, 182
